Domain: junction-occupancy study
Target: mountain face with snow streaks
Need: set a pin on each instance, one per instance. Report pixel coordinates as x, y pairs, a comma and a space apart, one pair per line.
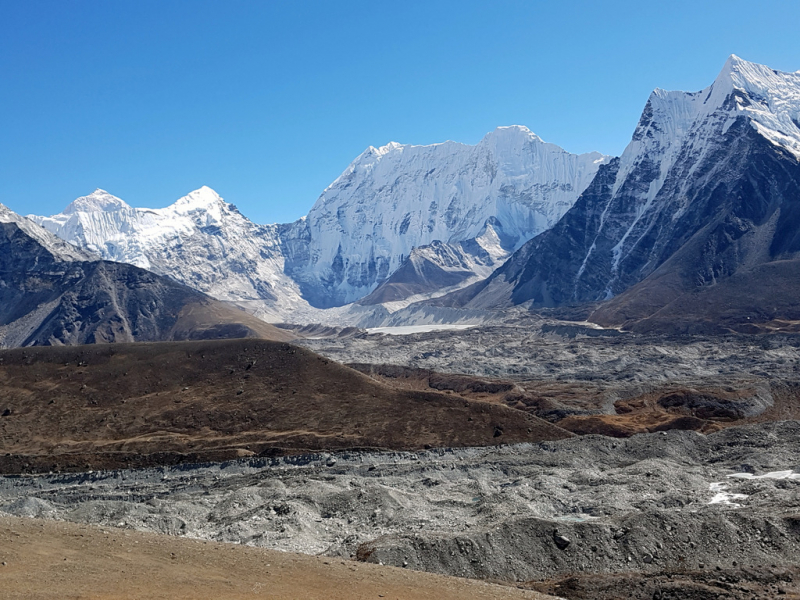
706, 188
393, 199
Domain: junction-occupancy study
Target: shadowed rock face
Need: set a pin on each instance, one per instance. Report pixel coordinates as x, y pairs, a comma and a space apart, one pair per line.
47, 298
692, 202
730, 261
738, 212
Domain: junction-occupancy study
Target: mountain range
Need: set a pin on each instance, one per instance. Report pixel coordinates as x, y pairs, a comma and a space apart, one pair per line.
482, 201
682, 232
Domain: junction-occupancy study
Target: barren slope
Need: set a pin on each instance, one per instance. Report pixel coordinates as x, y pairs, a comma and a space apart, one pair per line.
45, 559
148, 404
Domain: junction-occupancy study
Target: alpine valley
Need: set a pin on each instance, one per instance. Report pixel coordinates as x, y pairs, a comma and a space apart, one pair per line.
702, 204
574, 376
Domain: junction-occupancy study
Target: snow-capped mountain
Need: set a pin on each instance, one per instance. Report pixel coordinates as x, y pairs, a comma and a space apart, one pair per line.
52, 293
483, 201
200, 241
393, 199
708, 186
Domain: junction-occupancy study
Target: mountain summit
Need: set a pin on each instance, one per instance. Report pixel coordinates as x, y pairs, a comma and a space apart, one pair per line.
98, 200
708, 188
393, 199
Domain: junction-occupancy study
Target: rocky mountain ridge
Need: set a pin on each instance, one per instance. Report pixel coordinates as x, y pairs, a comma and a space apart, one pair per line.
707, 188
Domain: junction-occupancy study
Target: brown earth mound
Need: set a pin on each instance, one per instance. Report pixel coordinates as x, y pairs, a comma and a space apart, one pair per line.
47, 559
704, 409
146, 404
583, 407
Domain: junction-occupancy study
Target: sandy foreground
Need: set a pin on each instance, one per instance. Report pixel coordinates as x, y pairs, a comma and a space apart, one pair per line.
53, 559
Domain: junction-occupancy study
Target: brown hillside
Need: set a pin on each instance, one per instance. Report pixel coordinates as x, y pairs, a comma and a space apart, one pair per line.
145, 404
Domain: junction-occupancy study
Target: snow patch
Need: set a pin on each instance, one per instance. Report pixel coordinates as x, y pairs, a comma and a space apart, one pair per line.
723, 497
770, 475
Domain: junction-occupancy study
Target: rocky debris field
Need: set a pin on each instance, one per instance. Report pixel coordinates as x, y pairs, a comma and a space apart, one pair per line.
670, 502
529, 347
590, 380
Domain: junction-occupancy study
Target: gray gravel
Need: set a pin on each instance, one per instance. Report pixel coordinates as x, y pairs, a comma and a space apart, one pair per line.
534, 348
513, 513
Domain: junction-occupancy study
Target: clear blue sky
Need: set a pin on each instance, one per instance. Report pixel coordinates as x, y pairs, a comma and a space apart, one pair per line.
267, 102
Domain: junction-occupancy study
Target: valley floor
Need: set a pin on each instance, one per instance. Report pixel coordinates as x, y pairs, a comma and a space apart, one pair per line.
576, 511
691, 494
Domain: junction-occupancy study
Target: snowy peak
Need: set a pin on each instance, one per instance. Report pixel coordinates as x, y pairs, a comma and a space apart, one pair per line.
511, 136
707, 186
201, 199
750, 76
673, 121
770, 98
60, 250
395, 198
372, 157
98, 200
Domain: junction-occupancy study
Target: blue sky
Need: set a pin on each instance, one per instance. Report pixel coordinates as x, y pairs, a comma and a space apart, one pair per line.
267, 102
